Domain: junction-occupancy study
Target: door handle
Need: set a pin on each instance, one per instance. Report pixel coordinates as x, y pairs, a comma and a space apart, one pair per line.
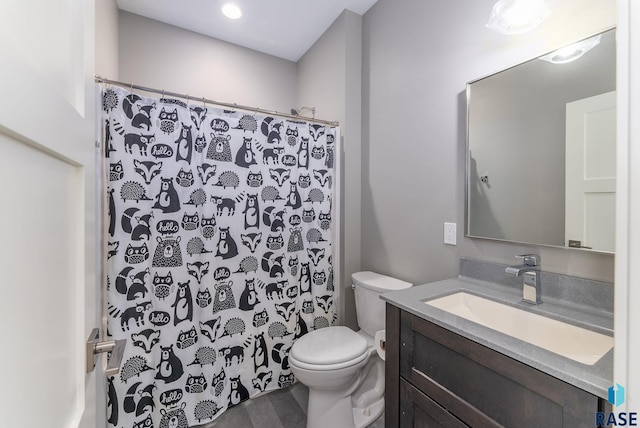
95, 346
577, 244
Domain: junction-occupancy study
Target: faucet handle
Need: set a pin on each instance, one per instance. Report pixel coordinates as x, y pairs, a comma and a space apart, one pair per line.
530, 259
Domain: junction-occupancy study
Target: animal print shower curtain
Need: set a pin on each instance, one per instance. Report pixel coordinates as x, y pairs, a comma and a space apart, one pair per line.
219, 253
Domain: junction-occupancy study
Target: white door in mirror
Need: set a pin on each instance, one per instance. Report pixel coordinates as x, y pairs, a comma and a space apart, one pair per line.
591, 172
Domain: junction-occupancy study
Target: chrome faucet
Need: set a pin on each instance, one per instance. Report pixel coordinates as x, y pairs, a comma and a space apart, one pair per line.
530, 269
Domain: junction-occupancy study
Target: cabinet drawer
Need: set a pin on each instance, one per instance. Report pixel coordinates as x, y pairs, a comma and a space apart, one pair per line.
419, 411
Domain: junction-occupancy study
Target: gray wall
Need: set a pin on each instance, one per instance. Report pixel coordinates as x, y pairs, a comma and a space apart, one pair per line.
418, 56
329, 78
158, 55
107, 61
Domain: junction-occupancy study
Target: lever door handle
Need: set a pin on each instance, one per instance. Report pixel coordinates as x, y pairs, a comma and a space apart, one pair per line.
95, 346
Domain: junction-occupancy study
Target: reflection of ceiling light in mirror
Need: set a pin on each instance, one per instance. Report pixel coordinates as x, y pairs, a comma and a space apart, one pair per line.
572, 52
231, 11
517, 16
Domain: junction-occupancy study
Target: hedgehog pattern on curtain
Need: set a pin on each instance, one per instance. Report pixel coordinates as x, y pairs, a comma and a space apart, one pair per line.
219, 253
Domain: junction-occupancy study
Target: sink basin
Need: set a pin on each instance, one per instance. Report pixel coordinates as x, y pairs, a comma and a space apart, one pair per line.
576, 343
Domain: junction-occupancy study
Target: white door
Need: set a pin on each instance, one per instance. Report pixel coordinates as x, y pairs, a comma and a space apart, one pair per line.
591, 172
48, 254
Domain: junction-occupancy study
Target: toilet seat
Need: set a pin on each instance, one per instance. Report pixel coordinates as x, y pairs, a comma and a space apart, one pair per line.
330, 348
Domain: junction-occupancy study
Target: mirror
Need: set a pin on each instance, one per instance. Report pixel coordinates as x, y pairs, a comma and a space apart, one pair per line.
541, 152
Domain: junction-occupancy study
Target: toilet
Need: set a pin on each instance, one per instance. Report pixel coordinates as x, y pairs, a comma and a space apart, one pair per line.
341, 367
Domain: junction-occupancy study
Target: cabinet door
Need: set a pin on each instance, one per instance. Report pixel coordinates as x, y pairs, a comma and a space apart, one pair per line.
419, 411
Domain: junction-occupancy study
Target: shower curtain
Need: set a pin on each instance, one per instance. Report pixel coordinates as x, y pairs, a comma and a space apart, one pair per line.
219, 253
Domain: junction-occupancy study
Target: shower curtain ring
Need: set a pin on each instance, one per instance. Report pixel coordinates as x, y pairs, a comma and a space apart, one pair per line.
204, 104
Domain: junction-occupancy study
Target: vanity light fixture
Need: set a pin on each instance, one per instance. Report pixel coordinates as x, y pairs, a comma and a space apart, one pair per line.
231, 11
517, 16
572, 52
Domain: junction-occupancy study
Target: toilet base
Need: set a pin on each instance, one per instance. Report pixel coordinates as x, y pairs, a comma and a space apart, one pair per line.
329, 412
365, 417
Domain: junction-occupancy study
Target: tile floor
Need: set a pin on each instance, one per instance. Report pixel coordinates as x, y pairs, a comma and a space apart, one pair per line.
285, 408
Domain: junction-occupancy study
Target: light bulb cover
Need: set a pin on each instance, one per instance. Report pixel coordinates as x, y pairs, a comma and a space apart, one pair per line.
231, 11
517, 16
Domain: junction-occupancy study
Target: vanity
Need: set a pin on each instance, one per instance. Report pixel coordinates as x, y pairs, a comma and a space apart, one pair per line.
516, 346
448, 370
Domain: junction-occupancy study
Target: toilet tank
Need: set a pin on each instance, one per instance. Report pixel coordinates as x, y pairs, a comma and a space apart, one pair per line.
368, 286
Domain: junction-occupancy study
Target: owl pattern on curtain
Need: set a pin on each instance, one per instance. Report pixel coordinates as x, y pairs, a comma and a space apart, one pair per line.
219, 253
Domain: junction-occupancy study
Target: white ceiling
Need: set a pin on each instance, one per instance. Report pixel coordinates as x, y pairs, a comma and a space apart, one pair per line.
283, 28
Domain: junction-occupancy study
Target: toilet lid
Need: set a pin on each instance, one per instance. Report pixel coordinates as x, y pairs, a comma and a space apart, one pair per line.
329, 345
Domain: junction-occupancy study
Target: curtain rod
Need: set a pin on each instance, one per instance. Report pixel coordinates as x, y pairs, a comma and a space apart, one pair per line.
100, 79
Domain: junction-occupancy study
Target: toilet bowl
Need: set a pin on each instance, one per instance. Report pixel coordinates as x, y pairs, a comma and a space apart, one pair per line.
341, 367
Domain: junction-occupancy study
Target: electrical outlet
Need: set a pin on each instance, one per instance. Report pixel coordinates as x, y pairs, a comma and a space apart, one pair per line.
450, 233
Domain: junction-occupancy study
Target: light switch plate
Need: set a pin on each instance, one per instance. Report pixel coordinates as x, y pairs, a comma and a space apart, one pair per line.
450, 233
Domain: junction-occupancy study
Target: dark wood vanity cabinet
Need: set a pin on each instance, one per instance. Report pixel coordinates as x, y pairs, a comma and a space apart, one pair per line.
436, 378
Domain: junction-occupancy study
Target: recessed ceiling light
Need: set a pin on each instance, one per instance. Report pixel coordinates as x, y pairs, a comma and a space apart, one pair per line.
231, 11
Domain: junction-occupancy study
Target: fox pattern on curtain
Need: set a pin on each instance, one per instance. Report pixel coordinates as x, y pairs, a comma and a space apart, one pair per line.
219, 253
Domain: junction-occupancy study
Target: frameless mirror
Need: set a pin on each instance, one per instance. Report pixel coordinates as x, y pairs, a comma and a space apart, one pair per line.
541, 140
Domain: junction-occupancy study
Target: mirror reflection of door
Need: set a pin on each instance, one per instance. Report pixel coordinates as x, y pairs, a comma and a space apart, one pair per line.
591, 172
